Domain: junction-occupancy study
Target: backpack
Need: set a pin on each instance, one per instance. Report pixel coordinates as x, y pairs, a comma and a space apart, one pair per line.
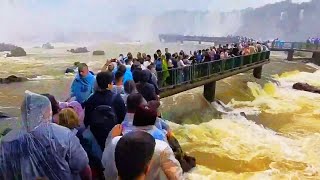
102, 120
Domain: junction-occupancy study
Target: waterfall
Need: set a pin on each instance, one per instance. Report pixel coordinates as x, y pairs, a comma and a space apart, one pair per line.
283, 15
301, 14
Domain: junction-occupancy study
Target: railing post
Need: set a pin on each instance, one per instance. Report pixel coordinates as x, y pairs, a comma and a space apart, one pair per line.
232, 67
174, 77
193, 70
222, 65
241, 61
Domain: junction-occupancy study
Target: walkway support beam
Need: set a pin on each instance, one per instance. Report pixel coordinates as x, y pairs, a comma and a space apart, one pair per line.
290, 55
209, 91
316, 58
257, 72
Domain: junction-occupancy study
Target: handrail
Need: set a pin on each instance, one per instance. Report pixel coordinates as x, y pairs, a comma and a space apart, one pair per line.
295, 45
201, 71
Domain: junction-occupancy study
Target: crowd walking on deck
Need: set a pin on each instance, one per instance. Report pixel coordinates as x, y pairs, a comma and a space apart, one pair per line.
110, 127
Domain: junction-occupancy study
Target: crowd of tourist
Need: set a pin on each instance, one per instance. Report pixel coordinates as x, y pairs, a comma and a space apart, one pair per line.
110, 127
313, 40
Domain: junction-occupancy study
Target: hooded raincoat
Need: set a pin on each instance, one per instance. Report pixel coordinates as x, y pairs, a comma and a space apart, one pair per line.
40, 148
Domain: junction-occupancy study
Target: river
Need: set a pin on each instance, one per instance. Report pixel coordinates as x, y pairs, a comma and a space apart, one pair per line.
278, 139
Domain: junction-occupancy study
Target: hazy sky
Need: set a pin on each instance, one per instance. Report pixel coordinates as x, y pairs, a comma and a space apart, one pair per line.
32, 17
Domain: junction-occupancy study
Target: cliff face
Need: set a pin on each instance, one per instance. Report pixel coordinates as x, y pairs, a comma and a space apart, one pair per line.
197, 23
286, 20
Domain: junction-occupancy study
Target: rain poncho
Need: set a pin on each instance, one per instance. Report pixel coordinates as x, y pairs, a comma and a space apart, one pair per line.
165, 71
40, 148
163, 166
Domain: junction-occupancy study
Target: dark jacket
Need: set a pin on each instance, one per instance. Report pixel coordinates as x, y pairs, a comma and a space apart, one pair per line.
147, 87
104, 98
148, 91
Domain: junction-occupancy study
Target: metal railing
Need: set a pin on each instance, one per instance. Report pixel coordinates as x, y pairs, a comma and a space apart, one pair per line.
295, 45
197, 72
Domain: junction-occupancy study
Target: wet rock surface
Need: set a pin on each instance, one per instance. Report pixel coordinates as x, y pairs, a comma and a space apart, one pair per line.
79, 50
17, 52
98, 53
306, 87
12, 79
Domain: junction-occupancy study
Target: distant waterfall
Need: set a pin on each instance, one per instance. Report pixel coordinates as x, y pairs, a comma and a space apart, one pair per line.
283, 16
301, 14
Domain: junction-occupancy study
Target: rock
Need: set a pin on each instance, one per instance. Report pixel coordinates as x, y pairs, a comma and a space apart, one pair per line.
76, 63
70, 70
17, 52
4, 116
98, 53
12, 78
186, 162
7, 47
73, 69
306, 87
79, 50
6, 131
47, 46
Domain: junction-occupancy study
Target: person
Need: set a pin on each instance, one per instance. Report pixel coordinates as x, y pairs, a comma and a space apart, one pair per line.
144, 120
235, 51
103, 109
246, 51
140, 58
129, 88
182, 69
158, 62
147, 61
163, 163
118, 87
41, 148
165, 71
159, 53
167, 54
76, 106
110, 65
138, 166
55, 107
83, 84
174, 60
199, 57
252, 49
207, 57
147, 90
136, 66
133, 101
69, 119
126, 69
258, 47
120, 59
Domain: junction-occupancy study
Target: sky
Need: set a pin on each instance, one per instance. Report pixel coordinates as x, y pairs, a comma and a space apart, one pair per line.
46, 17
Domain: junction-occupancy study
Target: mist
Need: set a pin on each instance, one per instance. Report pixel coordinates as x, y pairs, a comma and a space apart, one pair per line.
42, 21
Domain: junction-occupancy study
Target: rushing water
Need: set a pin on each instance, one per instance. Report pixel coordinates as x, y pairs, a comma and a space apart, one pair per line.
278, 139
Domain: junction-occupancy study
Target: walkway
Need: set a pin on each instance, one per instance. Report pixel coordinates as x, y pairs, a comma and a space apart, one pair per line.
297, 46
200, 39
208, 73
290, 47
